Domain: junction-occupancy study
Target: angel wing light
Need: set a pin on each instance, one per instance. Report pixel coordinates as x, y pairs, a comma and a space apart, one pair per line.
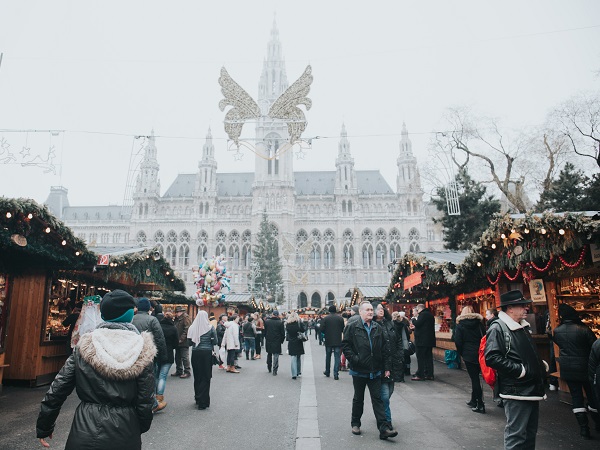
244, 107
286, 106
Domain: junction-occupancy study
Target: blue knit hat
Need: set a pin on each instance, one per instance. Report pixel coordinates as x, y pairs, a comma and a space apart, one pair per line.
143, 304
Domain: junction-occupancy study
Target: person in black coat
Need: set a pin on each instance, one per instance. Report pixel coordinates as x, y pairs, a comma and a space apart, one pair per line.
424, 329
332, 327
295, 345
114, 384
594, 377
274, 337
575, 340
172, 341
467, 337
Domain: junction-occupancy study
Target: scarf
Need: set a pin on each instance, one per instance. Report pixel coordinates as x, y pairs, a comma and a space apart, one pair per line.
199, 326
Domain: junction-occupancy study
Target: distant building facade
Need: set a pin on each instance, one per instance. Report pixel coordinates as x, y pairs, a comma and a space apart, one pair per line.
335, 228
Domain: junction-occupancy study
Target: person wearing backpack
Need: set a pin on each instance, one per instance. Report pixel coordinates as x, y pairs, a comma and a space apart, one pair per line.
467, 336
520, 371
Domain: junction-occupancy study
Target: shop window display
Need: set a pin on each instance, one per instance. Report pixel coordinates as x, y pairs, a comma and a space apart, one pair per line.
583, 294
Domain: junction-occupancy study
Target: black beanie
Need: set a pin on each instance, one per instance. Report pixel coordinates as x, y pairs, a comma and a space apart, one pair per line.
332, 309
567, 312
115, 304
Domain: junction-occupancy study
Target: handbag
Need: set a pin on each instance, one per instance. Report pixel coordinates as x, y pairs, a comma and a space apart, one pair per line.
215, 359
411, 348
302, 336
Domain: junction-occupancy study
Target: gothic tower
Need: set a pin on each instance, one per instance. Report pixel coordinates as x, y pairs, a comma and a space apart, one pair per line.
408, 180
345, 180
147, 186
205, 185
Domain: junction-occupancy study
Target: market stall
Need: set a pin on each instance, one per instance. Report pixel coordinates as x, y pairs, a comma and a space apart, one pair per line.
44, 272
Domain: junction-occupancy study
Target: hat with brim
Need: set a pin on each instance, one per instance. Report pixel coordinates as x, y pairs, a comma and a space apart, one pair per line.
180, 309
515, 297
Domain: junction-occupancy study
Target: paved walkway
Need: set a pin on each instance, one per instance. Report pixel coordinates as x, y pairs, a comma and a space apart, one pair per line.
255, 410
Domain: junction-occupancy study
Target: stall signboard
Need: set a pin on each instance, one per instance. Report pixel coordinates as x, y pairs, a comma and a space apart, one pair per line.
595, 250
412, 280
536, 289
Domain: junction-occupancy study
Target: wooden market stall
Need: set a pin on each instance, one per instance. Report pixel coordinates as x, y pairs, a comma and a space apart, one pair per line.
553, 259
44, 271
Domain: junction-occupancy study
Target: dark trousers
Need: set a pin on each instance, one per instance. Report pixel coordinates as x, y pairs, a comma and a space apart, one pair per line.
202, 369
424, 361
521, 424
258, 343
182, 360
576, 388
473, 369
358, 401
336, 360
273, 361
231, 356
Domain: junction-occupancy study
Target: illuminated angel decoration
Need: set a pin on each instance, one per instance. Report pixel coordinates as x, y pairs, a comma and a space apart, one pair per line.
285, 108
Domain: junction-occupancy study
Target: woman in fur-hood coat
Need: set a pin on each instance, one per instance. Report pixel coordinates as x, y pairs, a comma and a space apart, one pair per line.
111, 369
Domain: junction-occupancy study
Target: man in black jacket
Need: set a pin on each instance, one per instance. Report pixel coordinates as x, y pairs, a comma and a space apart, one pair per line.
369, 360
424, 329
512, 353
332, 327
274, 337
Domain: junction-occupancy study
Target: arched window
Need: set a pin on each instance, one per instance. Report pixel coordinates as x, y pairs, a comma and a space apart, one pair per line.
246, 236
202, 252
394, 234
221, 235
171, 255
348, 254
234, 255
315, 257
184, 236
172, 236
395, 252
302, 300
315, 300
380, 235
348, 235
413, 234
316, 235
367, 235
246, 255
301, 237
159, 237
202, 236
220, 250
329, 256
141, 238
408, 206
141, 210
349, 206
343, 206
380, 255
329, 235
234, 236
330, 298
184, 255
414, 247
367, 253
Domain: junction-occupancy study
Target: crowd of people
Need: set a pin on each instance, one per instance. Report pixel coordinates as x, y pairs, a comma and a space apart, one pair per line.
124, 364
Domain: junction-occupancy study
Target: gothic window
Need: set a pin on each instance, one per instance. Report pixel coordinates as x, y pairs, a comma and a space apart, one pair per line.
171, 236
246, 255
202, 236
367, 235
86, 216
301, 237
380, 252
329, 235
415, 211
116, 238
329, 256
408, 206
316, 235
146, 210
348, 235
348, 254
395, 252
414, 247
367, 252
302, 300
221, 235
343, 206
220, 250
317, 210
349, 206
202, 252
184, 236
330, 298
141, 209
394, 234
315, 300
413, 234
234, 236
141, 238
380, 235
184, 255
315, 257
234, 255
159, 237
171, 255
246, 235
104, 238
206, 209
97, 215
74, 216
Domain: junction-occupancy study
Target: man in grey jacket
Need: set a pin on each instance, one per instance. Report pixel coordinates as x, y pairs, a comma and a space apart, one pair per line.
143, 321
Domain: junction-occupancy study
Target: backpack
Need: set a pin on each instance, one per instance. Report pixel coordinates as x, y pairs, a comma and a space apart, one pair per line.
489, 374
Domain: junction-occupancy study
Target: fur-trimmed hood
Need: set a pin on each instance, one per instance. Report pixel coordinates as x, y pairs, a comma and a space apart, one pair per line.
117, 354
469, 316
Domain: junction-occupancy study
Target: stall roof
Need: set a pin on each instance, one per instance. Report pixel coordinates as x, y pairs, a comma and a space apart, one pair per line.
452, 256
238, 298
372, 291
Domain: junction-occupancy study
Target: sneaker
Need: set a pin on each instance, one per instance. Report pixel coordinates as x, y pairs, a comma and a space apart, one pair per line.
336, 377
326, 374
552, 387
356, 430
388, 433
176, 374
185, 375
221, 366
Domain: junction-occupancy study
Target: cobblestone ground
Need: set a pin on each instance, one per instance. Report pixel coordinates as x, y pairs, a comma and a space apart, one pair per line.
255, 410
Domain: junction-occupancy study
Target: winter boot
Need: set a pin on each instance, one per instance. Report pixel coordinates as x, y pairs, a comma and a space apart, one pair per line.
252, 355
161, 404
472, 403
247, 355
479, 407
582, 420
596, 418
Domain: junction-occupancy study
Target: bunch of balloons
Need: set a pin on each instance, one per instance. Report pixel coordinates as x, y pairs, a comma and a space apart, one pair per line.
210, 279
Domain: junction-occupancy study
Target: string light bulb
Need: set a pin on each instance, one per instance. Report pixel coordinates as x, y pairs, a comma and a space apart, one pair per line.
526, 230
478, 264
543, 231
64, 242
30, 216
8, 215
493, 246
561, 232
48, 230
77, 253
503, 236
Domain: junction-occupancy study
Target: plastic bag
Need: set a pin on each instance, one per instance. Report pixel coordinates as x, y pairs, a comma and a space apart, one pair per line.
222, 354
451, 359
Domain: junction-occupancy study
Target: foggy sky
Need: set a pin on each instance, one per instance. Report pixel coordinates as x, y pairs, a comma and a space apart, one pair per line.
92, 68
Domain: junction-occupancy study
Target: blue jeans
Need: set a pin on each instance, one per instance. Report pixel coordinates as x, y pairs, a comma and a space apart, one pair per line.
387, 389
160, 376
295, 365
249, 346
521, 424
336, 360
